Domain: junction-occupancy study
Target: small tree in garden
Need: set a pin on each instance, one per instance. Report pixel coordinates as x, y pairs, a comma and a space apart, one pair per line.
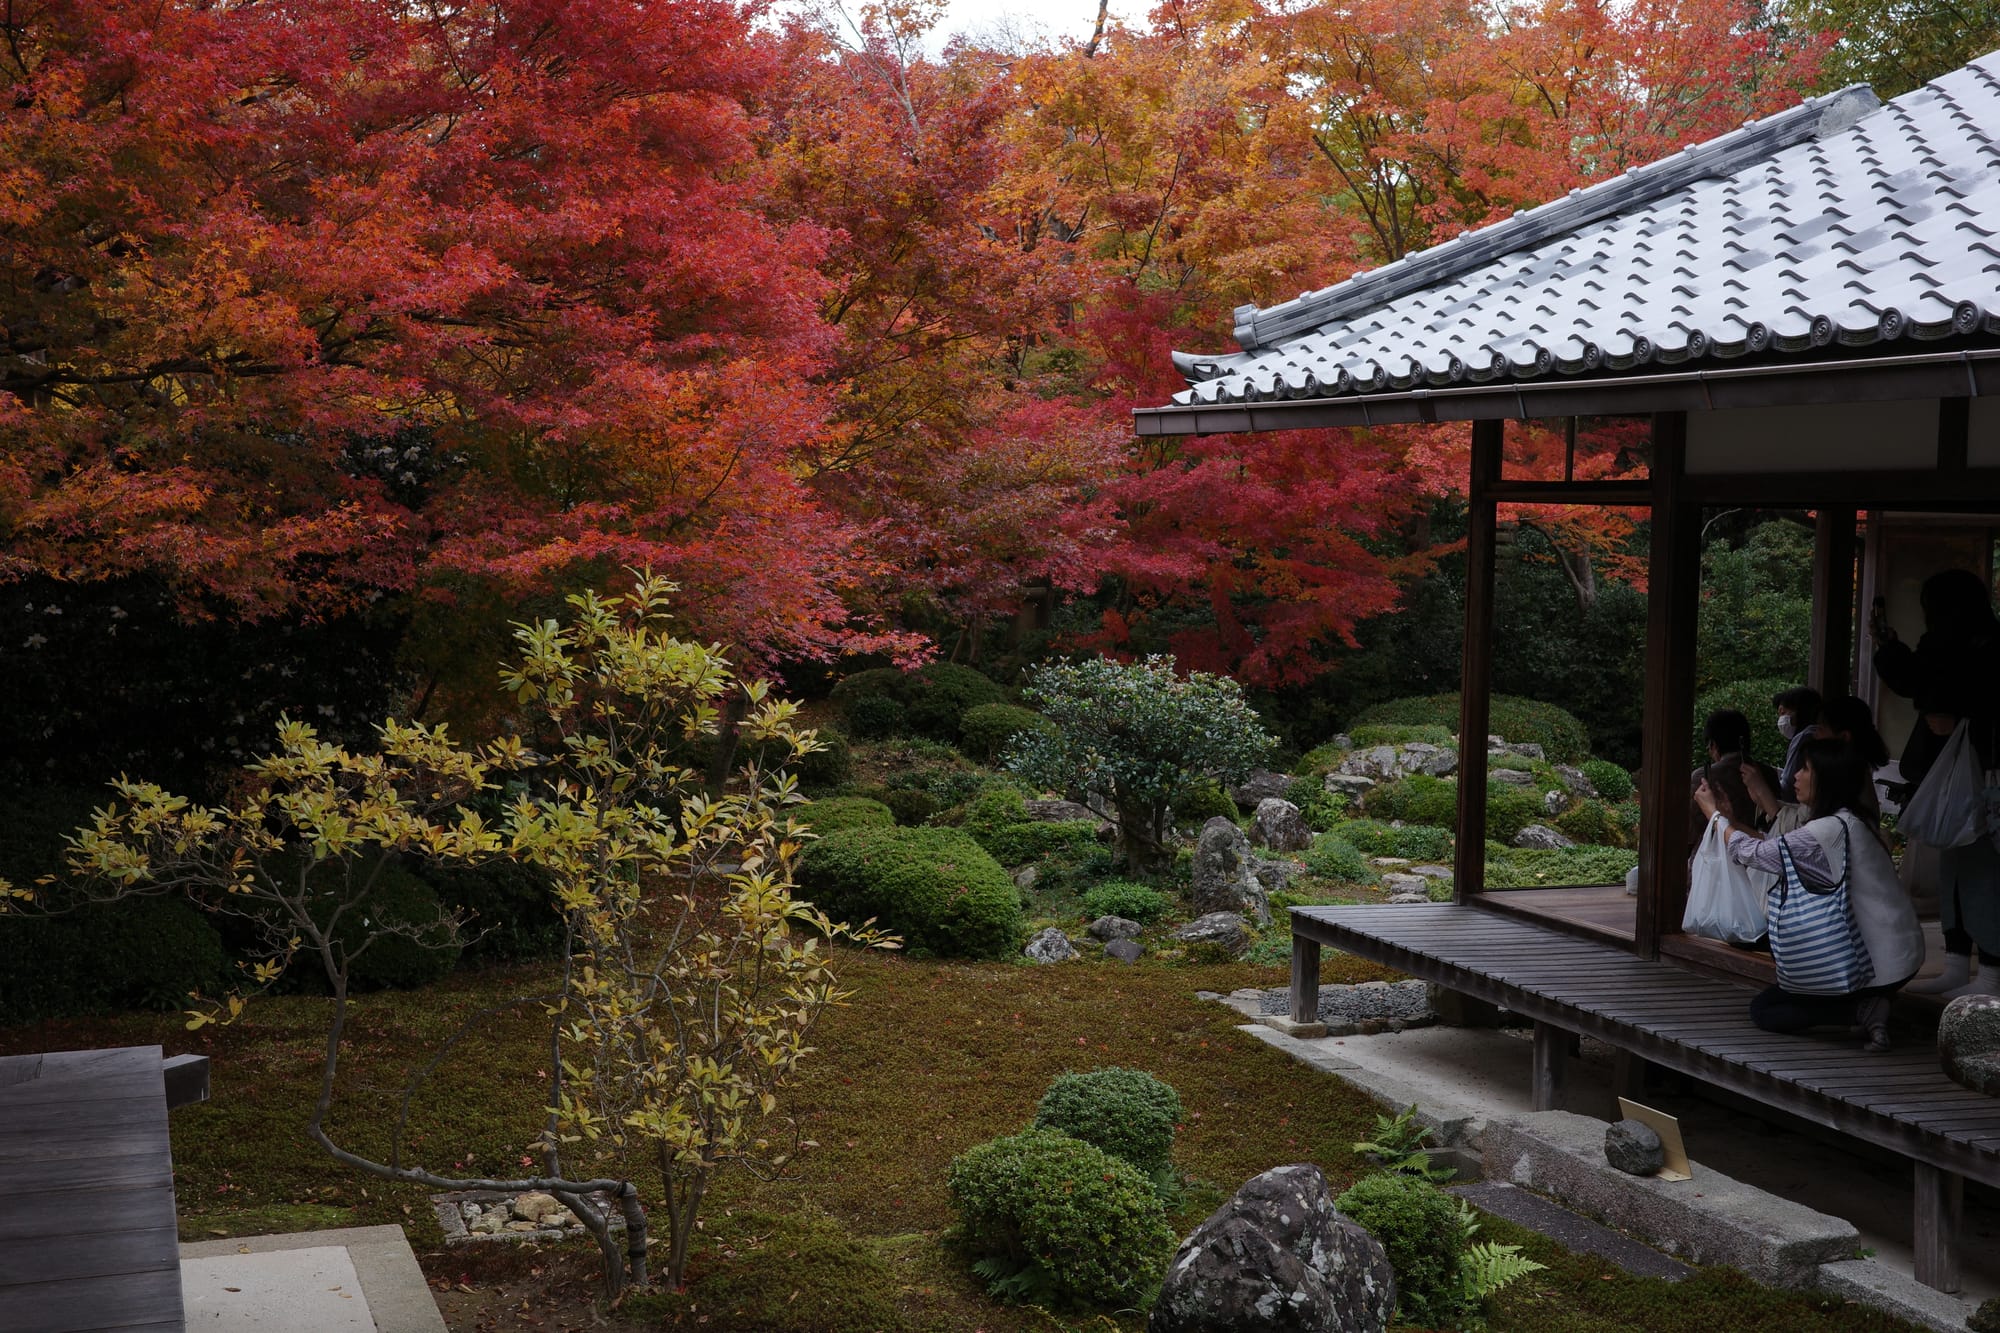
691, 977
1139, 735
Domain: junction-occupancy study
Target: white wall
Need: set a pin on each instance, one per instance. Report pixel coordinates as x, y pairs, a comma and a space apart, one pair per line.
1845, 437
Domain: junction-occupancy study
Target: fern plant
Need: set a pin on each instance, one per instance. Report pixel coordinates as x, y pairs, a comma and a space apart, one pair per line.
1488, 1266
1398, 1145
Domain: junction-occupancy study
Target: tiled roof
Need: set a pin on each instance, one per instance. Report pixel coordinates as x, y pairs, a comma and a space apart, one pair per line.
1841, 221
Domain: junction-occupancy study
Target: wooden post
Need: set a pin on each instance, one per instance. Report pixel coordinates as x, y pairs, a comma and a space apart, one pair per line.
1672, 606
1475, 677
1628, 1074
1551, 1059
1305, 980
1940, 1205
1830, 666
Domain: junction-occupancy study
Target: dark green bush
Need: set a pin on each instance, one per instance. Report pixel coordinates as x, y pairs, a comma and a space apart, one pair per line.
875, 717
1018, 844
1510, 809
1403, 733
1332, 858
1525, 868
509, 907
1320, 808
1319, 761
1592, 822
1752, 698
1425, 1233
828, 767
1202, 802
941, 694
397, 962
992, 809
984, 731
1422, 799
1613, 783
934, 887
910, 805
1561, 736
1121, 897
1048, 1219
878, 683
1417, 842
1126, 1112
835, 813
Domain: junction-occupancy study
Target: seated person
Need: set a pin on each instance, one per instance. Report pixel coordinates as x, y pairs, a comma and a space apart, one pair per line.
1833, 843
1798, 712
1726, 732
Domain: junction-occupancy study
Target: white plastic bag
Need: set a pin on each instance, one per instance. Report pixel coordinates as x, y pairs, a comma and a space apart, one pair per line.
1723, 903
1948, 809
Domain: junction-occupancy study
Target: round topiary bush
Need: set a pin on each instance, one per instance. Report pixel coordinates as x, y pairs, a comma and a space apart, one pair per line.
1613, 783
1332, 858
1202, 802
1126, 1112
1591, 822
1018, 844
1563, 738
1416, 842
876, 683
875, 716
1510, 809
985, 731
934, 887
1049, 1219
509, 907
844, 812
398, 962
1401, 733
1424, 1231
1121, 897
828, 767
941, 694
910, 805
1418, 799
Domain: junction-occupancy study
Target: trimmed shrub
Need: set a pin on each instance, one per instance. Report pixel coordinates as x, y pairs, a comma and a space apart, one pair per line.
876, 717
1320, 808
935, 887
1121, 897
1203, 801
1332, 858
994, 808
143, 953
878, 683
1018, 844
1510, 809
1613, 783
398, 962
844, 812
827, 768
1319, 761
1422, 799
509, 907
1125, 1112
984, 732
1425, 1232
1752, 698
1372, 837
1526, 868
1402, 733
910, 805
1591, 822
1561, 736
941, 694
1049, 1219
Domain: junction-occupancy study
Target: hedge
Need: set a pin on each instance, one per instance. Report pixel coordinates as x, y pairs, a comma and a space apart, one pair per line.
935, 887
1562, 737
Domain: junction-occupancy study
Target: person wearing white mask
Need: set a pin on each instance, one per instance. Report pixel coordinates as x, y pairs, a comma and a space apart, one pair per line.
1798, 711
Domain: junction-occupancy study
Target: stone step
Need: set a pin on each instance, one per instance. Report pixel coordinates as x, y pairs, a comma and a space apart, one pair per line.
1570, 1230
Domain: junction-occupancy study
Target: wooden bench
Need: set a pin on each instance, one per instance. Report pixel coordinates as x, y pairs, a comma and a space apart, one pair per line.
1679, 1020
88, 1239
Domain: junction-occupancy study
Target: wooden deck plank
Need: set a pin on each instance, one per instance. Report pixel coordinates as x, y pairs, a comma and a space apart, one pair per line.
1692, 1022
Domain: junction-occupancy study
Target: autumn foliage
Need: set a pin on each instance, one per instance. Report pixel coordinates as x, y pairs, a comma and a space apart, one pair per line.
312, 304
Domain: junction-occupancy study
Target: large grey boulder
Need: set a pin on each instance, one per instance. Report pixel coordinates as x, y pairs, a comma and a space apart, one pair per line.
1261, 785
1348, 784
1227, 929
1377, 764
1576, 780
1278, 1258
1275, 876
1542, 838
1115, 928
1439, 761
1058, 812
1225, 876
1125, 951
1511, 777
1969, 1042
1279, 826
1554, 803
1051, 946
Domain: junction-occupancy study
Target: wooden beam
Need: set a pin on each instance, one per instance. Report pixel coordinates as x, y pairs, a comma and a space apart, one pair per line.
1305, 980
1545, 1093
1475, 677
1966, 491
1615, 493
1831, 661
1954, 435
1672, 605
186, 1079
1628, 1075
1940, 1208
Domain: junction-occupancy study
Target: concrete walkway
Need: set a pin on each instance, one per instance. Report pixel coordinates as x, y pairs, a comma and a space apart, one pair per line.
351, 1280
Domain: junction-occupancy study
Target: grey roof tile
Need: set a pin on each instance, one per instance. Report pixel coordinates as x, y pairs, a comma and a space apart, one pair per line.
1842, 221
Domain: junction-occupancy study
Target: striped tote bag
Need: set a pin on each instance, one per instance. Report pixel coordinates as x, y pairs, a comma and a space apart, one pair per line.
1814, 939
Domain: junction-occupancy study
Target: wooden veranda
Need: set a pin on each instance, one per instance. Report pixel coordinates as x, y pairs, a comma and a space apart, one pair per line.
1751, 301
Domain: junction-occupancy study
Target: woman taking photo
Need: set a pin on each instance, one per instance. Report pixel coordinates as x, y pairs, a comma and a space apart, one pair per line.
1835, 845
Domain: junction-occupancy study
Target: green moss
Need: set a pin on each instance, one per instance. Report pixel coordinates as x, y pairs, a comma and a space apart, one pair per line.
1524, 868
1562, 737
1319, 761
781, 1273
1402, 733
1415, 842
836, 813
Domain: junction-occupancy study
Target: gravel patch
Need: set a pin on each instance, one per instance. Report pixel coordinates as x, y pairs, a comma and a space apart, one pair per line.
1372, 1006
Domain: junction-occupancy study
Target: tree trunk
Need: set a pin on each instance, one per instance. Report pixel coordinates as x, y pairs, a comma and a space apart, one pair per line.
1142, 838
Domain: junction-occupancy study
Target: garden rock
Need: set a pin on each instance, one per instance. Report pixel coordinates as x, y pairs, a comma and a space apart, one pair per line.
1227, 929
1512, 777
1349, 784
1279, 826
1526, 749
1058, 812
1274, 877
1026, 878
1279, 1257
1986, 1319
1634, 1148
1377, 764
1225, 878
1969, 1042
1396, 884
1542, 838
1051, 946
1260, 786
1114, 928
1432, 872
536, 1206
1576, 780
1554, 803
1372, 1006
1438, 761
487, 1224
1125, 951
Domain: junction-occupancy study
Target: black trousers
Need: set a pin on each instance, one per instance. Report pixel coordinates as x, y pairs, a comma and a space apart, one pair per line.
1778, 1010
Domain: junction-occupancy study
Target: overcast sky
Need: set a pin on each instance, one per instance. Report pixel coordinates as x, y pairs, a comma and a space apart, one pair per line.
1059, 18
